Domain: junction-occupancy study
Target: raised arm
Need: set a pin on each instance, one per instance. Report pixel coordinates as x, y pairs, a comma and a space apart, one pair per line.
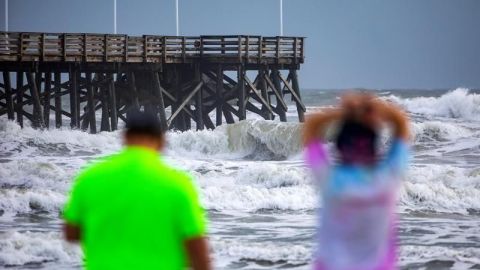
317, 124
397, 118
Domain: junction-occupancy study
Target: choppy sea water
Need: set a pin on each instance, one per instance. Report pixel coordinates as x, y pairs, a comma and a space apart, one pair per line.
260, 198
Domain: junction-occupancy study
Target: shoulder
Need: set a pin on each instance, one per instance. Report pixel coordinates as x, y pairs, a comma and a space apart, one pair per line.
95, 169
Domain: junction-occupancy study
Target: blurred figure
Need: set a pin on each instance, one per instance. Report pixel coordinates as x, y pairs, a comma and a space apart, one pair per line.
357, 226
132, 211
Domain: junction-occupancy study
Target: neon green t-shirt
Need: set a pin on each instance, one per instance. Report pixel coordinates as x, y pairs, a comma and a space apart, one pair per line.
135, 212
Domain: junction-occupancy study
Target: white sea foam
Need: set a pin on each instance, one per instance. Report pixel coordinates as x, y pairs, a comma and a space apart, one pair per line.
441, 188
459, 103
266, 253
19, 248
461, 259
259, 138
439, 131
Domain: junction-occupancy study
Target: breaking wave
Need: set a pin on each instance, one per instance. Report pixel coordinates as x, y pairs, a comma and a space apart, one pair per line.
459, 103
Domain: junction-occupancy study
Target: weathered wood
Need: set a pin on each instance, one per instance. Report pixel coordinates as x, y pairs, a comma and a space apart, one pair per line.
241, 93
219, 95
91, 104
37, 108
228, 115
19, 98
112, 102
179, 123
300, 107
199, 100
8, 95
277, 88
74, 120
267, 113
185, 102
294, 93
46, 98
133, 88
259, 96
177, 63
208, 121
280, 101
105, 120
58, 100
159, 91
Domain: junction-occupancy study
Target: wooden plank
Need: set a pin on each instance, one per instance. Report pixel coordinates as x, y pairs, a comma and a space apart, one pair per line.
37, 108
199, 100
276, 82
19, 98
185, 102
133, 88
8, 95
208, 121
91, 104
228, 115
241, 93
219, 95
103, 96
294, 94
58, 100
46, 98
259, 96
277, 94
266, 108
159, 92
300, 107
73, 98
112, 102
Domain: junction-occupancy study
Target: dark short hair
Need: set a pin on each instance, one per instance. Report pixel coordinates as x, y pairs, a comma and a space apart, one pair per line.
351, 131
143, 123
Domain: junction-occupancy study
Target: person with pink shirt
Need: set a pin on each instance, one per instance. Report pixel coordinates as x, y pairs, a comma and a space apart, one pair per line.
357, 223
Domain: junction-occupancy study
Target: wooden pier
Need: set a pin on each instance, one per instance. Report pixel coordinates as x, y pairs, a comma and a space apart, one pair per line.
184, 80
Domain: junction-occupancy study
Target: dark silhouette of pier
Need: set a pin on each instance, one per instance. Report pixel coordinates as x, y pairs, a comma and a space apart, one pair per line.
182, 79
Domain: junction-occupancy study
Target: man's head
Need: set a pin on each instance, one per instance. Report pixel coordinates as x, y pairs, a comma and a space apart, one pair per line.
357, 143
144, 129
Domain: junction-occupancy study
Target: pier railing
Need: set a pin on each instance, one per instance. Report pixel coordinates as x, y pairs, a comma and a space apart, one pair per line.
74, 47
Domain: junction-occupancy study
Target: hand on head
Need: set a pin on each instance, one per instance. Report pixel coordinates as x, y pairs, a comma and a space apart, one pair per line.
363, 108
374, 112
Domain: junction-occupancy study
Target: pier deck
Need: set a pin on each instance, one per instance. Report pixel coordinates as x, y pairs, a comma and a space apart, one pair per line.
182, 79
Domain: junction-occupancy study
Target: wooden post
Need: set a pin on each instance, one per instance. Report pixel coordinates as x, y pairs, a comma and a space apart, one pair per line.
263, 88
112, 102
19, 98
199, 100
241, 92
105, 120
208, 122
296, 88
179, 122
134, 94
46, 98
58, 100
219, 94
228, 115
161, 102
278, 86
8, 95
78, 96
90, 104
37, 108
74, 118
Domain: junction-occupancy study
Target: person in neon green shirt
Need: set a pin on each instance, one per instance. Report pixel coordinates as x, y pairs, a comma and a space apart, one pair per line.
132, 211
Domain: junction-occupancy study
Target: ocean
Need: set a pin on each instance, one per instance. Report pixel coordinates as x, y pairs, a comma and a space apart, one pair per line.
260, 198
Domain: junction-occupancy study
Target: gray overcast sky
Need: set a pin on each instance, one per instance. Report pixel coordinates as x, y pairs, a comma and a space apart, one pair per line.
350, 43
